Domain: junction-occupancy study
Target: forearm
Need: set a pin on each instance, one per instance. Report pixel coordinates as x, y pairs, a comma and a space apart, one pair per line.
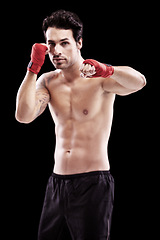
26, 99
129, 78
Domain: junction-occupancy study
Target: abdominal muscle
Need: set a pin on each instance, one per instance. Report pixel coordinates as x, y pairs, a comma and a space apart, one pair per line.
80, 148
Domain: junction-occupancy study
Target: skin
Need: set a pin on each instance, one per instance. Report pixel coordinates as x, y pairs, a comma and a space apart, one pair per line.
80, 104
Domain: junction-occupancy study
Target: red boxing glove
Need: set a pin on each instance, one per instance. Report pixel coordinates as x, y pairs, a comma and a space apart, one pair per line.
37, 58
102, 70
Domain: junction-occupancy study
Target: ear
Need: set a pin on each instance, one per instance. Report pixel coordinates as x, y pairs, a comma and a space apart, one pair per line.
79, 43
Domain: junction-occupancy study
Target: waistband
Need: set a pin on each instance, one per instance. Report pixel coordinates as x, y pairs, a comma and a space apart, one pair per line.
79, 175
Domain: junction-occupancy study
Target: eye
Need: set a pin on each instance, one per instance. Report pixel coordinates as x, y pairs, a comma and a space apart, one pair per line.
51, 44
64, 44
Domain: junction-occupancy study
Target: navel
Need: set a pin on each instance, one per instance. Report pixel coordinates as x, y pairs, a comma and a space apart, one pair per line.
85, 111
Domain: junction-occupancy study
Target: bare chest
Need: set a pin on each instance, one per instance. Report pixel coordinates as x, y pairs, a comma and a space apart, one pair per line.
79, 101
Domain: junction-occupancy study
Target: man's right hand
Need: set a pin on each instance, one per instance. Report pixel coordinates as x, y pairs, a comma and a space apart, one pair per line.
37, 57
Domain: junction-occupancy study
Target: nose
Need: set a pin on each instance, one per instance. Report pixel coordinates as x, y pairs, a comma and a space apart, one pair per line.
57, 50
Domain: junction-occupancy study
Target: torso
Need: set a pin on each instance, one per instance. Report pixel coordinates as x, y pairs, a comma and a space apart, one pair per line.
83, 114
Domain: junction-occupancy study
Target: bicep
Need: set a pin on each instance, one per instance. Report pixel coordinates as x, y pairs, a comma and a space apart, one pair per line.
110, 85
42, 97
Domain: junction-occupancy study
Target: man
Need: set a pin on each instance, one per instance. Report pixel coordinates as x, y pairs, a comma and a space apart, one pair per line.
80, 95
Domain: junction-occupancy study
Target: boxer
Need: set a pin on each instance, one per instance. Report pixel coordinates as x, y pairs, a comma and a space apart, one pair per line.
80, 95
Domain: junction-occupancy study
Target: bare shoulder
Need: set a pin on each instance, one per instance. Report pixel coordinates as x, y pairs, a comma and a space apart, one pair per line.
44, 80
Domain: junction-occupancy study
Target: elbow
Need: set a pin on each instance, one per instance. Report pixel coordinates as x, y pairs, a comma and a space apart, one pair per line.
141, 82
22, 119
23, 114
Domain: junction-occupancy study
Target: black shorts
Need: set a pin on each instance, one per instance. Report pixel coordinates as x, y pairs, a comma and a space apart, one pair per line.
81, 203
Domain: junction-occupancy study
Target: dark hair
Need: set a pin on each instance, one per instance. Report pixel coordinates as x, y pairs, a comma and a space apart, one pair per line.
64, 20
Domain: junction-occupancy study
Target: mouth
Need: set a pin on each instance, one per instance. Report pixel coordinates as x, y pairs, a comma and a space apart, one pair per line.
58, 59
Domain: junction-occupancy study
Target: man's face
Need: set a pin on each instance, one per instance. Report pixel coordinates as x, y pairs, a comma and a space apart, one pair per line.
63, 49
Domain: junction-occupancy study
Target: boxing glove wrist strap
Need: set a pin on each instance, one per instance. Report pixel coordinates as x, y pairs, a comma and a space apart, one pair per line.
33, 67
102, 70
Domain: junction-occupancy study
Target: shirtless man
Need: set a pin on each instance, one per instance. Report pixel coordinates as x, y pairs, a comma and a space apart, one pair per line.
80, 95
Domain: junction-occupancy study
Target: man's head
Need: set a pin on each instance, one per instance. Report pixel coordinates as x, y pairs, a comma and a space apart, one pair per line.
62, 19
63, 32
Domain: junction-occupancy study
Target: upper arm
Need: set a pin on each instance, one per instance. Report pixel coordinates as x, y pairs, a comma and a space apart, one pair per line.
110, 85
42, 95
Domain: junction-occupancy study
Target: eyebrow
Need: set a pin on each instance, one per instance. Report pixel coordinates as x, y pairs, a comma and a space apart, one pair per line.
64, 39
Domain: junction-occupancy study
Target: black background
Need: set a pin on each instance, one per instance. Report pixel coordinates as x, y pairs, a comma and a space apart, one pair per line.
118, 33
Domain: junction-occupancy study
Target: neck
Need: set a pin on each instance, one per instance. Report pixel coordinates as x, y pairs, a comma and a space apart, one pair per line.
73, 72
